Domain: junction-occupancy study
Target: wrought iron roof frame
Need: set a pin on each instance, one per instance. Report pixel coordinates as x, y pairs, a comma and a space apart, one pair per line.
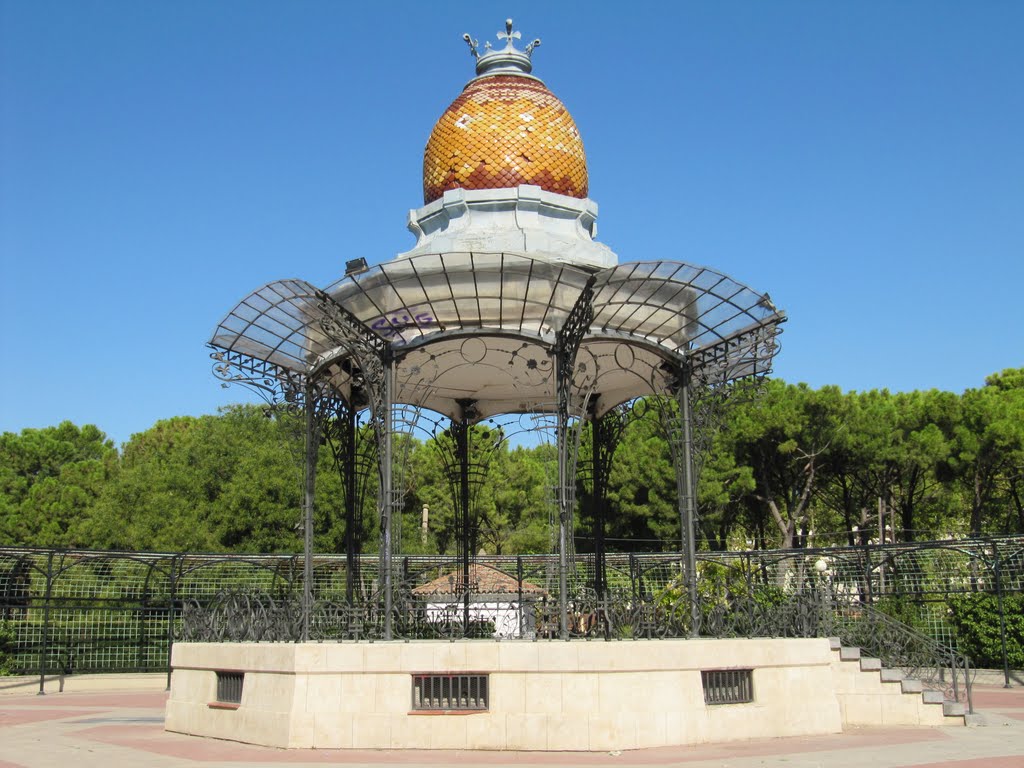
294, 313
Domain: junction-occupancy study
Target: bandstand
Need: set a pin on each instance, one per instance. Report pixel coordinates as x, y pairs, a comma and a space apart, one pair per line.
506, 311
506, 306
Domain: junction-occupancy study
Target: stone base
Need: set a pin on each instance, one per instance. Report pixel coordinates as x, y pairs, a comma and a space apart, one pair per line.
585, 696
524, 219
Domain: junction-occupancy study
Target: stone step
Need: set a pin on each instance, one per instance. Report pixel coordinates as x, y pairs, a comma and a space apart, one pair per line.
849, 654
932, 697
891, 675
910, 685
953, 709
868, 664
977, 719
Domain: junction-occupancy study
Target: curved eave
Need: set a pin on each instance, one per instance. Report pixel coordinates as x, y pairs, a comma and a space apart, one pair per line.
276, 324
676, 311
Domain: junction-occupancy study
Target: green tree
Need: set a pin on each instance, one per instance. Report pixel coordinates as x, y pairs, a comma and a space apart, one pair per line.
50, 480
723, 489
892, 448
988, 452
231, 482
643, 507
519, 484
912, 480
509, 497
784, 437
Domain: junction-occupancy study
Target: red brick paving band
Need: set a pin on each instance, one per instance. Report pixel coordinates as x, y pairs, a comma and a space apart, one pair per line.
129, 726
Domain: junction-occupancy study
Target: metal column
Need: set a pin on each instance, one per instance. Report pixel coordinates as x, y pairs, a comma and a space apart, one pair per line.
460, 431
562, 377
387, 494
566, 347
375, 365
605, 432
687, 493
351, 500
312, 444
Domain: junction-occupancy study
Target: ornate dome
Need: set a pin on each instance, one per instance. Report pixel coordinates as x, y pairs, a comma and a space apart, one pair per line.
505, 129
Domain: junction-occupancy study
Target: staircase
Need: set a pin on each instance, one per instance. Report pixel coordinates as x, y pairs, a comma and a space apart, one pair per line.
872, 695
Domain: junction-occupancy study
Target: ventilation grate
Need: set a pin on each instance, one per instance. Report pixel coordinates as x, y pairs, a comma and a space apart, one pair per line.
727, 686
449, 692
229, 687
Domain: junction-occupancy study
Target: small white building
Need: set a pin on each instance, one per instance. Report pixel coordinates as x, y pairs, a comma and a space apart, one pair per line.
494, 596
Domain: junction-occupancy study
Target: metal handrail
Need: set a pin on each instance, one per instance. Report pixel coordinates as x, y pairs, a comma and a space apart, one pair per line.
900, 646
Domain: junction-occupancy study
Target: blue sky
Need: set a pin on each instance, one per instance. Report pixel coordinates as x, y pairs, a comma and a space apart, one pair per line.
863, 162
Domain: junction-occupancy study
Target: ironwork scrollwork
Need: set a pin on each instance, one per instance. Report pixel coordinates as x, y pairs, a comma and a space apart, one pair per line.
235, 616
745, 354
368, 350
275, 385
618, 614
569, 338
937, 666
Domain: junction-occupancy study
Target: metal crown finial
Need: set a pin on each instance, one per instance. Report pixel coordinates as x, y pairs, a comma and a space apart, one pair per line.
507, 60
509, 35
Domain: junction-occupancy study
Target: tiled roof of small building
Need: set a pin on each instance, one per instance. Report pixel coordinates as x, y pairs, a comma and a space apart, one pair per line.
483, 580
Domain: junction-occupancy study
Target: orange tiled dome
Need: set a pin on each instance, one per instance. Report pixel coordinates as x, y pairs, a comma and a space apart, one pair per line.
502, 131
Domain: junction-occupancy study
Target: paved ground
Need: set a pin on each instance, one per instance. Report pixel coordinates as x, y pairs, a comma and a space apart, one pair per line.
124, 729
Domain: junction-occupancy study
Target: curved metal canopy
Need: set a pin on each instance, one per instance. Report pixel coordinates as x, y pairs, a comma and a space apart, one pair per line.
481, 328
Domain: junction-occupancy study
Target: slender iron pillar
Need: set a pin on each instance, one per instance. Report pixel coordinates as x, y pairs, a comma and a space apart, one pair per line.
387, 495
568, 343
605, 436
564, 499
461, 434
351, 498
309, 499
600, 500
686, 486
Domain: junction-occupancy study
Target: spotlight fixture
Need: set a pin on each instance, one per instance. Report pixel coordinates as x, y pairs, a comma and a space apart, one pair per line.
355, 267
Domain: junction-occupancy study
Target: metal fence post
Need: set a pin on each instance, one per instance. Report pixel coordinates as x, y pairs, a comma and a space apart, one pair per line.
173, 590
633, 570
519, 589
46, 624
867, 572
1002, 614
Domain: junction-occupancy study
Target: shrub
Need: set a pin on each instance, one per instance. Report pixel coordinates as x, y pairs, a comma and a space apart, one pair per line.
975, 620
904, 610
769, 595
7, 639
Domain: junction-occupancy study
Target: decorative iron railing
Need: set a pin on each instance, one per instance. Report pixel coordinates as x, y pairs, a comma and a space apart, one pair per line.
235, 616
938, 667
84, 611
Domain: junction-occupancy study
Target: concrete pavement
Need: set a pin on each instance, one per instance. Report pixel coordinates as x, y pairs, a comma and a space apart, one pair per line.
99, 725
